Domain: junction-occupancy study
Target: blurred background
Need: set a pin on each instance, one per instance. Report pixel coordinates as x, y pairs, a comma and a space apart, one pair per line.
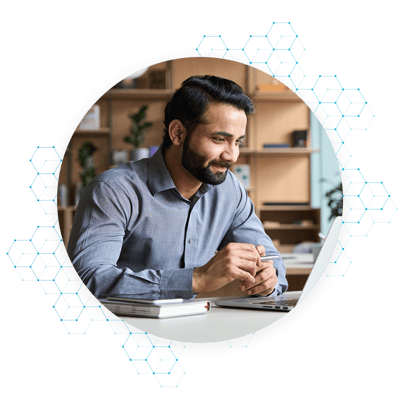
287, 163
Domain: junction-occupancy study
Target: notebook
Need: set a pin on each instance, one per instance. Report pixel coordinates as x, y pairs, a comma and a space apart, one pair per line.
287, 301
126, 307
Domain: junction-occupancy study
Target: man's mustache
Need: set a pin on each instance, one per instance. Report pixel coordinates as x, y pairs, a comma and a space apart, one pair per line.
219, 164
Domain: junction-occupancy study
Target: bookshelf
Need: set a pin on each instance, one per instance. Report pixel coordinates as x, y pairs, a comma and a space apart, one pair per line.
278, 175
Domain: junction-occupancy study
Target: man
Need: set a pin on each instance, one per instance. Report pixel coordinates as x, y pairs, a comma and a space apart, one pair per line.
178, 223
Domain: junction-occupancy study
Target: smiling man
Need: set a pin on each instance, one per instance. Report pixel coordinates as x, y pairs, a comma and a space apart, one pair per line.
178, 223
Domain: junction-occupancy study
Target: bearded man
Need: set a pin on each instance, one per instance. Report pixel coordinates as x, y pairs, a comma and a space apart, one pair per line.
178, 223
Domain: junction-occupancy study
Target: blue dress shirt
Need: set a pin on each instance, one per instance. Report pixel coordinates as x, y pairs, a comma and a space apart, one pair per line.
133, 232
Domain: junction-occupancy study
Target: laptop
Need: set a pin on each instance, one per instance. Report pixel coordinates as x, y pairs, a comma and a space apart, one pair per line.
287, 301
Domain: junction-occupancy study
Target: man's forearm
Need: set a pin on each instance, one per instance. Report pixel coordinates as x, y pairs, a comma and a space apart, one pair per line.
104, 281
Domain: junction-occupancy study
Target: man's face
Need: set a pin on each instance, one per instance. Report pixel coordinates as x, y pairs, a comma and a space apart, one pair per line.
213, 146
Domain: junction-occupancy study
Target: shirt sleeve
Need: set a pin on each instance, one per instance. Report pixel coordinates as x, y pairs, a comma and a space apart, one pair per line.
246, 227
95, 243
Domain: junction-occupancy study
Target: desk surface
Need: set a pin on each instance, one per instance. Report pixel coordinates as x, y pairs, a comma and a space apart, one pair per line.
218, 325
221, 324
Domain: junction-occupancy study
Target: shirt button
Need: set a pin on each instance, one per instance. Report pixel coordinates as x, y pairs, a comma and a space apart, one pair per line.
190, 240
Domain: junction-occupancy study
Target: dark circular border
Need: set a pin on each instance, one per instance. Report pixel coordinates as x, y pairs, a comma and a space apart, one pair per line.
292, 319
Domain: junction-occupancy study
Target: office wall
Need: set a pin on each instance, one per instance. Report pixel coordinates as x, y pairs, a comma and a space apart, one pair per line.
325, 173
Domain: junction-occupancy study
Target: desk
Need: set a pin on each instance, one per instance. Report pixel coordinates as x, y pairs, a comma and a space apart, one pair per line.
219, 324
298, 267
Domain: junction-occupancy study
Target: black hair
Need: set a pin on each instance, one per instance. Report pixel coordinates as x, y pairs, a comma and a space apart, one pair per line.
190, 101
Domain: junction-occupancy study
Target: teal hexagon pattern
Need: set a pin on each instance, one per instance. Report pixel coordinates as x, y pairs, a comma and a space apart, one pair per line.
342, 111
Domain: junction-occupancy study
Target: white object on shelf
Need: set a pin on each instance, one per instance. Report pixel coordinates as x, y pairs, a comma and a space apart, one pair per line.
139, 153
78, 191
89, 162
137, 74
91, 121
119, 157
130, 81
63, 195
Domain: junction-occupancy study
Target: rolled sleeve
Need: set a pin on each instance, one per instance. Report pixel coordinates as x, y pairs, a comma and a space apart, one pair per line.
97, 237
177, 283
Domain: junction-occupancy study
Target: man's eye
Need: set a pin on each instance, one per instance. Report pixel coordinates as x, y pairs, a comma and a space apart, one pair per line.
220, 140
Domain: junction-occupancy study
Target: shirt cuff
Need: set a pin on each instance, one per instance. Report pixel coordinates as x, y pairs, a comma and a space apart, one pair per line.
265, 295
177, 283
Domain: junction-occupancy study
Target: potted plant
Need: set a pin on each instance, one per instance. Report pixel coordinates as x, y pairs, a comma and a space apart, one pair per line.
85, 156
138, 133
86, 160
335, 201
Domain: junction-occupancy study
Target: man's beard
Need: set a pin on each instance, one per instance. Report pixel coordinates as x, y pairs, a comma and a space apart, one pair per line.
194, 163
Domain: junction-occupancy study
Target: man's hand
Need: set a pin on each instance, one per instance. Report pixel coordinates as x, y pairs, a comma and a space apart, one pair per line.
235, 261
265, 279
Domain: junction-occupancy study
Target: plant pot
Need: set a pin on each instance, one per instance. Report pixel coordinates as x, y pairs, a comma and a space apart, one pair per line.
138, 154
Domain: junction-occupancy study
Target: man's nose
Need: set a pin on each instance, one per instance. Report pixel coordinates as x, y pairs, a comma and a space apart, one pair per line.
230, 153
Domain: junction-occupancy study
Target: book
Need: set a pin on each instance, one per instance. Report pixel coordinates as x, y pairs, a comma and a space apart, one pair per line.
130, 308
91, 121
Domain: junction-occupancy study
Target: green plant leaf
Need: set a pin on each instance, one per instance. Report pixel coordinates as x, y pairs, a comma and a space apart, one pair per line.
147, 125
138, 129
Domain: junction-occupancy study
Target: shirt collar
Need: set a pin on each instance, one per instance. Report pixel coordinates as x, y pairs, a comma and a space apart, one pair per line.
160, 179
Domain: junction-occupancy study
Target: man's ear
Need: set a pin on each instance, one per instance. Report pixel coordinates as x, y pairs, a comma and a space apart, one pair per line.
177, 132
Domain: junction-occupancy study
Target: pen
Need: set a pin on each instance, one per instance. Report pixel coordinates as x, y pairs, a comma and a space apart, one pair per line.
267, 258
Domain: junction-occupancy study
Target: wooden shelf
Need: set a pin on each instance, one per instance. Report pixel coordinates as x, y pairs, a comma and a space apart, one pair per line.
285, 228
292, 227
91, 132
286, 208
285, 248
298, 271
148, 94
275, 96
278, 113
66, 208
289, 151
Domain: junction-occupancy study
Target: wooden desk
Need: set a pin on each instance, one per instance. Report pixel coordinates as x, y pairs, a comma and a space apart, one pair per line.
298, 269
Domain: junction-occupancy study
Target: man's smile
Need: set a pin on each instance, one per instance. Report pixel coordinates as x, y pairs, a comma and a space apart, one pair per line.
219, 168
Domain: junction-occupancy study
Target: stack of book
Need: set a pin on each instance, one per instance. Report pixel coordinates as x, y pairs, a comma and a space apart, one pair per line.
162, 308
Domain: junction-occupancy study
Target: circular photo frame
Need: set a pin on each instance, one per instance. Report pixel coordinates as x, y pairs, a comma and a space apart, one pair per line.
335, 268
